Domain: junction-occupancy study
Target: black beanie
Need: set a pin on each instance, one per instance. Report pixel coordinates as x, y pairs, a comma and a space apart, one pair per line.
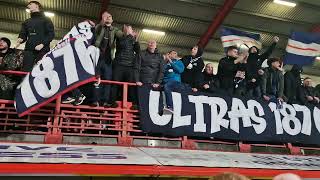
7, 41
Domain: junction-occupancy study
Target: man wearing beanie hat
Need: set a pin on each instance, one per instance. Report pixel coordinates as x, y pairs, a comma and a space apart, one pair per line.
37, 32
273, 82
9, 60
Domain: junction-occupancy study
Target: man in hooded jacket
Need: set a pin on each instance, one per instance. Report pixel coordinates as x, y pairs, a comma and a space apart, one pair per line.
194, 65
292, 83
254, 72
228, 67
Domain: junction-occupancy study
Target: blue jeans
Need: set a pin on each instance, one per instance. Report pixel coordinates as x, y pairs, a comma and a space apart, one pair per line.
168, 88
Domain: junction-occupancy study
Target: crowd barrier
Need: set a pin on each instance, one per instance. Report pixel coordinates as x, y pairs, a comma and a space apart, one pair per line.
68, 124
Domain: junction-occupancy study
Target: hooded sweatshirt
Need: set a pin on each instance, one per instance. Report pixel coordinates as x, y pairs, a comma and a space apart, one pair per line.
255, 61
193, 76
292, 83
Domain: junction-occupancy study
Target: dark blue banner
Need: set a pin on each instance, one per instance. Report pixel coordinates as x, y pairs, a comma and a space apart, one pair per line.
230, 118
68, 65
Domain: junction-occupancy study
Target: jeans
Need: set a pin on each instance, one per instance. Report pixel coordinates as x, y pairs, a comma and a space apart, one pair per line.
168, 88
255, 92
102, 92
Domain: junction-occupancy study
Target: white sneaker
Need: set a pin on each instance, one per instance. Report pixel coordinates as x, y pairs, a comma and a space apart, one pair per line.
68, 100
167, 110
80, 100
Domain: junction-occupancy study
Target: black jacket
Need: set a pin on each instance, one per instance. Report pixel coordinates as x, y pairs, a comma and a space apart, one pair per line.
37, 30
268, 77
210, 79
307, 91
292, 83
193, 76
149, 67
227, 71
255, 61
126, 49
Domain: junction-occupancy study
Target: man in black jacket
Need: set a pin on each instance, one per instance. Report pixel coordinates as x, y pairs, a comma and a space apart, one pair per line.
210, 82
292, 84
37, 32
127, 49
253, 68
149, 67
308, 95
273, 83
228, 67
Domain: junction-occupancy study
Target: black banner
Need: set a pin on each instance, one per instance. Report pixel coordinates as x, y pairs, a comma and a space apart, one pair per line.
230, 118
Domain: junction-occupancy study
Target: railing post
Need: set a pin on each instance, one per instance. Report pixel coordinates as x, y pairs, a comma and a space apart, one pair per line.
294, 150
55, 136
124, 139
187, 143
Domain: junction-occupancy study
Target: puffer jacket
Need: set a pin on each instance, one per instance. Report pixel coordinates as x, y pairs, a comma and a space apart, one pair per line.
126, 50
149, 67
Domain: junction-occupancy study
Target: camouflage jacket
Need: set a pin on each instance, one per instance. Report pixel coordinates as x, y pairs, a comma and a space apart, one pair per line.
11, 61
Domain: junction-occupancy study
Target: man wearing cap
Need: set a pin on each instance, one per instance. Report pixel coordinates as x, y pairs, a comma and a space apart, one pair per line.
9, 60
273, 81
37, 32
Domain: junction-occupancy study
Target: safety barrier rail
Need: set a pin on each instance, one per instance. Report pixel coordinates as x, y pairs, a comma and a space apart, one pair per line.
83, 124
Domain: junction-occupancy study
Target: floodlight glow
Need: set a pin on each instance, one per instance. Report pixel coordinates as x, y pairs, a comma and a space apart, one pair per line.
286, 3
46, 13
161, 33
49, 14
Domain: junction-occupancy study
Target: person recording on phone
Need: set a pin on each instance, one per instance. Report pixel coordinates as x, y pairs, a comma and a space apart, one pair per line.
253, 68
228, 67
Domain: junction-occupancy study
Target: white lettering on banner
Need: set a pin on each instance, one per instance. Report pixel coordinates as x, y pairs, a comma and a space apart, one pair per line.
84, 28
154, 110
69, 63
288, 117
238, 110
198, 101
277, 117
306, 125
46, 79
217, 119
179, 120
26, 92
84, 55
251, 116
262, 124
45, 73
316, 118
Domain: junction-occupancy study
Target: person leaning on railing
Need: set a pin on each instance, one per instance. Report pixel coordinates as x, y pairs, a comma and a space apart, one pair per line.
10, 59
149, 67
127, 50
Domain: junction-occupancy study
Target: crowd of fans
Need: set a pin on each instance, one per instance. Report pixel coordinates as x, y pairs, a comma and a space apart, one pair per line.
121, 59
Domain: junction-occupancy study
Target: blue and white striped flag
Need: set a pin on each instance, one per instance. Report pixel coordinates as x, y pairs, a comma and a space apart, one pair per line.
233, 37
302, 48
